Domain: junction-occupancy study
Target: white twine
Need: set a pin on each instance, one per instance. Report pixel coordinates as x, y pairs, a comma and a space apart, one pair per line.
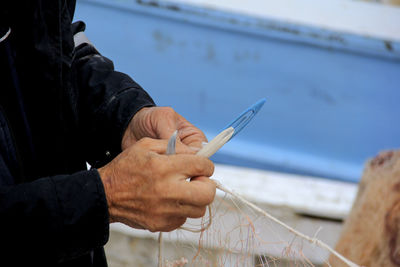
312, 240
208, 151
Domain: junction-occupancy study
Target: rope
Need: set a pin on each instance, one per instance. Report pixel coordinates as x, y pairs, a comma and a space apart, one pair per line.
312, 240
208, 151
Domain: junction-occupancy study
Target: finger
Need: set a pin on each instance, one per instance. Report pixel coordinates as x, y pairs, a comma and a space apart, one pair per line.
182, 148
190, 166
165, 122
154, 145
198, 192
191, 211
191, 135
179, 209
171, 121
171, 223
160, 146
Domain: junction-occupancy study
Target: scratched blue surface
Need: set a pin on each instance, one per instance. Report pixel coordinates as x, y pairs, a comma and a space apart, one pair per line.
332, 99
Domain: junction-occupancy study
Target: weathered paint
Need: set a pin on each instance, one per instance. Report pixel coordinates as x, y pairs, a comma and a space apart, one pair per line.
332, 97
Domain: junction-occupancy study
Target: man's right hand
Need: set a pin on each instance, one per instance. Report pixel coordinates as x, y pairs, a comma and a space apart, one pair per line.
147, 189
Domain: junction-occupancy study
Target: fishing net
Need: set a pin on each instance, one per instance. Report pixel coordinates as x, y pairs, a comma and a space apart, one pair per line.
235, 234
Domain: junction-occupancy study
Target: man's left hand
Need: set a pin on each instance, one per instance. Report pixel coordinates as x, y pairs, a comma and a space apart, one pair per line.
160, 123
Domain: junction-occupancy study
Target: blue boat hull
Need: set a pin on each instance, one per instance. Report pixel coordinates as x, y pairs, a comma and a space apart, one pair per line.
332, 98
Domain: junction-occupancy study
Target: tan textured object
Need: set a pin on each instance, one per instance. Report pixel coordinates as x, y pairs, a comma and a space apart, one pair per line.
391, 2
371, 233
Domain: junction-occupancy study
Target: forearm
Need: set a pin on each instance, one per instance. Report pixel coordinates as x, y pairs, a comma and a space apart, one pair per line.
107, 99
54, 218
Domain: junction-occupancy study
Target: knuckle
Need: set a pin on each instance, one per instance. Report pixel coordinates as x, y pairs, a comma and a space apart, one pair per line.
198, 168
147, 165
205, 167
168, 110
157, 165
145, 141
152, 162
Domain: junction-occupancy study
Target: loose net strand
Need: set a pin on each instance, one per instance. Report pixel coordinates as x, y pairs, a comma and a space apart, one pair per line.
202, 229
208, 151
160, 250
312, 240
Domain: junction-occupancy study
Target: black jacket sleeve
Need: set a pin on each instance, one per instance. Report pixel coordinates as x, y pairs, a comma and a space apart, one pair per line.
53, 219
108, 99
58, 218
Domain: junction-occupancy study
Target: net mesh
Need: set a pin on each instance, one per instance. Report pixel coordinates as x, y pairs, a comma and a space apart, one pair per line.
239, 236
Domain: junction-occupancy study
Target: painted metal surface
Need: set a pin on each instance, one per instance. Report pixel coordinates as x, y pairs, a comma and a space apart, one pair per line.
333, 97
345, 16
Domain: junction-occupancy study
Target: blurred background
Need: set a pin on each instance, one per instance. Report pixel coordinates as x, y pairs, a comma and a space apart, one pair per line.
330, 71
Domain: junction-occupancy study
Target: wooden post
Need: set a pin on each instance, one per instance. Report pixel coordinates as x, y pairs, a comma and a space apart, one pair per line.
371, 233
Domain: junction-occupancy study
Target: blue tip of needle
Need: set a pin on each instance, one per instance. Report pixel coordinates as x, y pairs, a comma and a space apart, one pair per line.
246, 116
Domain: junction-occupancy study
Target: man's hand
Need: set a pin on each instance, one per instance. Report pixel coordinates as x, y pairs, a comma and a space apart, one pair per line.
148, 190
160, 123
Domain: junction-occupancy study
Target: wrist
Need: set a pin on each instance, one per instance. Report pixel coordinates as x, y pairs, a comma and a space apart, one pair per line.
107, 181
132, 132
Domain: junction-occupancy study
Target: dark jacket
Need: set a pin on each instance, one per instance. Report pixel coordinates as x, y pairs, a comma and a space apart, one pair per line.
60, 107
